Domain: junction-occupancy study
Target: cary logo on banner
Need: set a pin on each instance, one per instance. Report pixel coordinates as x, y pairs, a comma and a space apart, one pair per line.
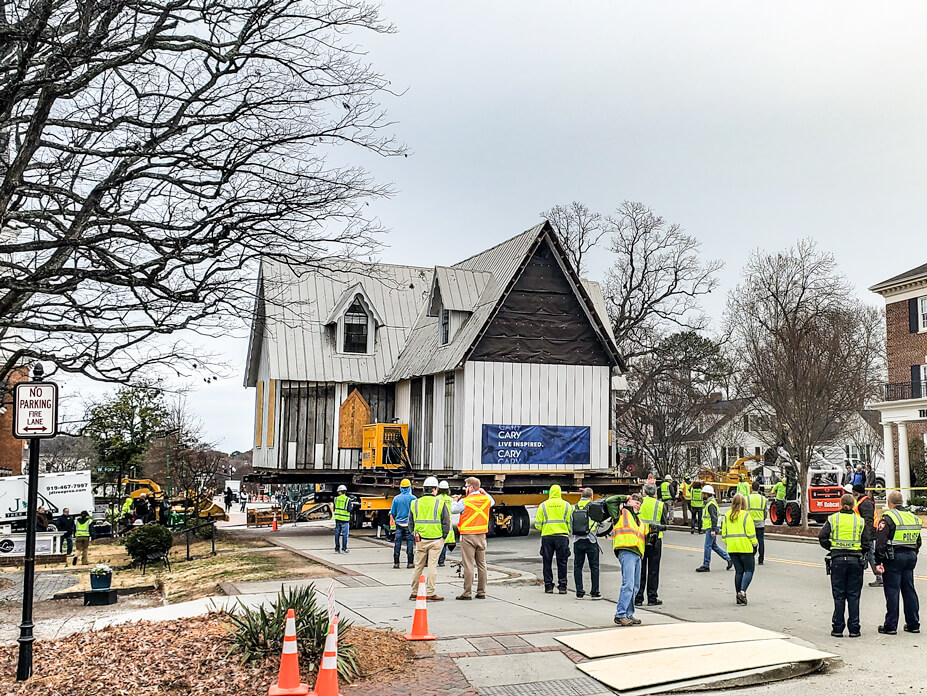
536, 444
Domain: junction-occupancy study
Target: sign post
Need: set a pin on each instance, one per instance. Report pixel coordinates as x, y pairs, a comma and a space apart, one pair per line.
35, 417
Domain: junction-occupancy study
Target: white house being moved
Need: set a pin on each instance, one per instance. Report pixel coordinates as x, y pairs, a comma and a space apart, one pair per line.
502, 362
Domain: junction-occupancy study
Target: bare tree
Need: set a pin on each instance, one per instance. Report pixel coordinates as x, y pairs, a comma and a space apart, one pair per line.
809, 350
676, 388
151, 151
579, 230
657, 280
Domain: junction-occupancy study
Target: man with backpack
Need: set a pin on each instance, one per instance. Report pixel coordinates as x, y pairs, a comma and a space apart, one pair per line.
651, 513
585, 545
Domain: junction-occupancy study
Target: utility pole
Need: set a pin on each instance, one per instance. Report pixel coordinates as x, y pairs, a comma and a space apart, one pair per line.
35, 417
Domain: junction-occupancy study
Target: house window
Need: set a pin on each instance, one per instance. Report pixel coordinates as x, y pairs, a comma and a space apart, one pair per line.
746, 423
445, 326
922, 306
356, 328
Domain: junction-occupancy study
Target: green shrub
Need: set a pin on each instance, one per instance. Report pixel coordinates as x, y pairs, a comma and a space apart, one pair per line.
258, 632
148, 539
205, 531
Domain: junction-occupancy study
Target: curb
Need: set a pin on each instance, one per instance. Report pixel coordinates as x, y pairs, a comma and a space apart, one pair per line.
328, 564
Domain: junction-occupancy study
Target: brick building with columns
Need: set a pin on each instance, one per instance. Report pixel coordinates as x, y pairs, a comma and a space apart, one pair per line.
11, 449
904, 401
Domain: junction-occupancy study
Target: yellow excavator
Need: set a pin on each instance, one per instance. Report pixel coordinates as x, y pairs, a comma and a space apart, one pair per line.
726, 481
133, 488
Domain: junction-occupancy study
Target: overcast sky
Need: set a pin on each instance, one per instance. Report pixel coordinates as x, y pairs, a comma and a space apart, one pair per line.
752, 125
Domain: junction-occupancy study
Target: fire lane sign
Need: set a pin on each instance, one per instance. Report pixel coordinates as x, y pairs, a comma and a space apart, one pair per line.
35, 410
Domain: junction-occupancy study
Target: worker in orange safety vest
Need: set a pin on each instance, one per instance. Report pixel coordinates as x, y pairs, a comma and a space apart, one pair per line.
474, 509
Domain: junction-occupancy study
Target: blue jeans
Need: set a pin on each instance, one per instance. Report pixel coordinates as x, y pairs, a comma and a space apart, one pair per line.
404, 532
711, 544
630, 582
342, 527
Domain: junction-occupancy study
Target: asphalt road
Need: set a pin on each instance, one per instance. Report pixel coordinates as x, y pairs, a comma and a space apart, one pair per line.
790, 593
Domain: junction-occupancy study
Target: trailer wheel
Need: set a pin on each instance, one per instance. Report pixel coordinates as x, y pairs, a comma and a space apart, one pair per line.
793, 514
777, 512
524, 520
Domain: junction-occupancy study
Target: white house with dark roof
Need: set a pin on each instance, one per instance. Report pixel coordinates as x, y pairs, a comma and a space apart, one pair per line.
509, 342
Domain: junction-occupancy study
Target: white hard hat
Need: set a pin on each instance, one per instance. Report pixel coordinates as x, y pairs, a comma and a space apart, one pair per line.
342, 487
444, 486
848, 488
430, 482
708, 489
667, 478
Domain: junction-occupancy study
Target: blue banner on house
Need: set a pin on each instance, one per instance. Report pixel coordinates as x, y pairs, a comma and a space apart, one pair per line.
536, 444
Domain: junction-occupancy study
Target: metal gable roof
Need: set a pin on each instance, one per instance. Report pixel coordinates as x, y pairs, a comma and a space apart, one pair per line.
298, 302
460, 288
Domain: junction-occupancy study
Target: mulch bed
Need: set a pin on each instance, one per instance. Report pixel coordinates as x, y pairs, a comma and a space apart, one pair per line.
175, 658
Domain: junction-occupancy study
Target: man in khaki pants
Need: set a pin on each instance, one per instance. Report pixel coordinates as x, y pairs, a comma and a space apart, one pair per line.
430, 520
474, 523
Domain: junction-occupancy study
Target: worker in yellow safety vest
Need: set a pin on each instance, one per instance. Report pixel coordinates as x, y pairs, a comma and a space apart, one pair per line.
685, 497
82, 526
474, 510
739, 535
696, 505
711, 528
628, 543
844, 535
667, 493
430, 521
897, 544
651, 514
743, 486
553, 519
450, 541
757, 505
341, 512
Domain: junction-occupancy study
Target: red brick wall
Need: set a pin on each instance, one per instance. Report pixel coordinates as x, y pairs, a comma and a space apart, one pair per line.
11, 449
903, 348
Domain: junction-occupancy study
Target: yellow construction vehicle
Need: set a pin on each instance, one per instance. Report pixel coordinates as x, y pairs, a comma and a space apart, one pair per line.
726, 481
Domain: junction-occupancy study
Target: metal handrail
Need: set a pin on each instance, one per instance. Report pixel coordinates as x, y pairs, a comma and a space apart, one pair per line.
901, 391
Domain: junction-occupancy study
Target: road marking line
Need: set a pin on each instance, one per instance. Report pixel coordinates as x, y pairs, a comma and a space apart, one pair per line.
807, 564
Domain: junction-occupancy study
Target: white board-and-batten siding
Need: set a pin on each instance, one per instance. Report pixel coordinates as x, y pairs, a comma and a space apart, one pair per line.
506, 393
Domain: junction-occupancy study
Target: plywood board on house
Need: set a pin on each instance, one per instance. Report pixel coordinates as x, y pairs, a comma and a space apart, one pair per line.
354, 414
640, 670
621, 641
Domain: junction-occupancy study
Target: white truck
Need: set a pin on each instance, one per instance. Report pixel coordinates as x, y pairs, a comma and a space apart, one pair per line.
56, 491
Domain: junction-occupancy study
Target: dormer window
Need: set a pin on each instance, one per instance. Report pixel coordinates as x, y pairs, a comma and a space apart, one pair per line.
445, 326
356, 329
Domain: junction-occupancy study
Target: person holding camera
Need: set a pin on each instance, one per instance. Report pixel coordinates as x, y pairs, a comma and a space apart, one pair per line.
845, 535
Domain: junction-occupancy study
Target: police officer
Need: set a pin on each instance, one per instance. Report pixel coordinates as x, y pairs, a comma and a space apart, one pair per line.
845, 535
342, 515
651, 514
897, 543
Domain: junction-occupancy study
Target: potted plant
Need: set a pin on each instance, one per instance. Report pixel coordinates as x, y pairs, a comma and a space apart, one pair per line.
101, 577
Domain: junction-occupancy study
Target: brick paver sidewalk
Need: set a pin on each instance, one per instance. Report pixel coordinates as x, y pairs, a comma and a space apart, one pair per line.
47, 585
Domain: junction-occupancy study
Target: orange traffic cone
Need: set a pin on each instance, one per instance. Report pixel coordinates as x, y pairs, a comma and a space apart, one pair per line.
274, 528
288, 683
327, 683
420, 620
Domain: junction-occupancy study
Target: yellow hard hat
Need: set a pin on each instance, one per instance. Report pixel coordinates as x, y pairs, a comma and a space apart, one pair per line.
404, 483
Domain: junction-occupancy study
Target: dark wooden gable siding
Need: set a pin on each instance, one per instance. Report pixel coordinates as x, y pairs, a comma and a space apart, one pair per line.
308, 419
541, 320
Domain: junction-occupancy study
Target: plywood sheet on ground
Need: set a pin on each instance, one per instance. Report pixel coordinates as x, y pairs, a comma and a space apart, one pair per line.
640, 670
622, 641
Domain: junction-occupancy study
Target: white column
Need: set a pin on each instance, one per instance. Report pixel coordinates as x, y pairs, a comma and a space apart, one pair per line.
904, 466
888, 448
